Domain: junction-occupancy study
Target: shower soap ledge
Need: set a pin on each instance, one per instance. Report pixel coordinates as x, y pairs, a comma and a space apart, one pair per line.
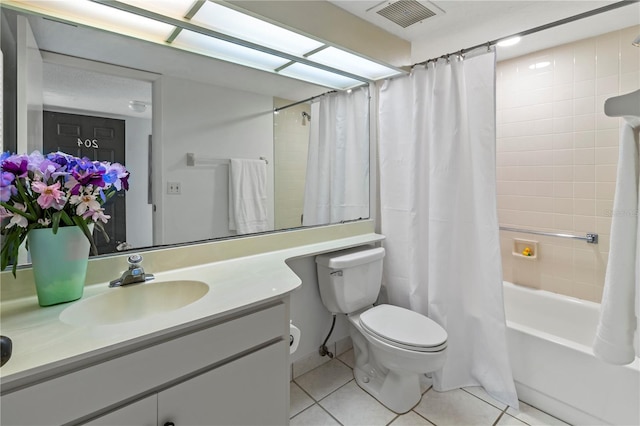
520, 247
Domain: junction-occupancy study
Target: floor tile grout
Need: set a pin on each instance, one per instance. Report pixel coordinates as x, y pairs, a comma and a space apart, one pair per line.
486, 402
332, 392
503, 411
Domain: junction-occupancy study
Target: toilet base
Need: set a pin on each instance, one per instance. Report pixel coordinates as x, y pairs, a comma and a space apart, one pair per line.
399, 393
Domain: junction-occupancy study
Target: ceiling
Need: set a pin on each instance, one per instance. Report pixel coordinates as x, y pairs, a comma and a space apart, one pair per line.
456, 25
461, 24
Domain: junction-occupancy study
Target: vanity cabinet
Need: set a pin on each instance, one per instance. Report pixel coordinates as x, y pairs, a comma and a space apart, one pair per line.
141, 413
230, 370
244, 392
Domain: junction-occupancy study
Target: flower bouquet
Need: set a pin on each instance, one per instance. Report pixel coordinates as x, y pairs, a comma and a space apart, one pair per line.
52, 191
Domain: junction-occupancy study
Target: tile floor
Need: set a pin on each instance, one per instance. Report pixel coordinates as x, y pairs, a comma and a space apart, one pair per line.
329, 395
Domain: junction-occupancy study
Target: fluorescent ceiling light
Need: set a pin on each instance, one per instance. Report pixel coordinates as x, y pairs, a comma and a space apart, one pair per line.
351, 63
231, 22
199, 34
173, 8
220, 49
320, 76
104, 17
539, 65
509, 42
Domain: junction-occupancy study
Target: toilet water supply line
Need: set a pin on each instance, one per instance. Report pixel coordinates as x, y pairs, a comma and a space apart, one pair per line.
323, 350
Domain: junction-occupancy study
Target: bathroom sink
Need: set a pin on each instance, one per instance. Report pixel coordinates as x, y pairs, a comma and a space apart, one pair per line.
134, 302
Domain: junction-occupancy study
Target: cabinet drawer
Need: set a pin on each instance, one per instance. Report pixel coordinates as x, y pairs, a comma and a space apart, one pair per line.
252, 390
102, 387
141, 413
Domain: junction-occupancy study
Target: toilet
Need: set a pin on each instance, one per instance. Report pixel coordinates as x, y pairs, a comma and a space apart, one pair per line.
393, 347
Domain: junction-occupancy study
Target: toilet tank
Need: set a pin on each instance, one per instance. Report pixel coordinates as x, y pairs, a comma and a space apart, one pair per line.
350, 280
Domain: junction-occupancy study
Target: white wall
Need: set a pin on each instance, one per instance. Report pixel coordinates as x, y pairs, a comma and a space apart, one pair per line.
139, 211
29, 93
212, 122
291, 144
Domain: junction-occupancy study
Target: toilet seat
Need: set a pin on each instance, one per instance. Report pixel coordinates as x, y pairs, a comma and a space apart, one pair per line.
403, 328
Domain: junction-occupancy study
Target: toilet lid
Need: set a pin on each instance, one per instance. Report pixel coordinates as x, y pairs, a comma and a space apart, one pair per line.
403, 326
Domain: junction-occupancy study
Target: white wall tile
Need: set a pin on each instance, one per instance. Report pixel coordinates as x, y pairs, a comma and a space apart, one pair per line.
584, 139
583, 89
557, 162
607, 54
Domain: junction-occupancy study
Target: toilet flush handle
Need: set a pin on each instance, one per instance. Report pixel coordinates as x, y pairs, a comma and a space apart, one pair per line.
337, 273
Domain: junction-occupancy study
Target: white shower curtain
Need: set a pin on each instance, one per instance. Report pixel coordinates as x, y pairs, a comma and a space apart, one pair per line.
438, 211
337, 180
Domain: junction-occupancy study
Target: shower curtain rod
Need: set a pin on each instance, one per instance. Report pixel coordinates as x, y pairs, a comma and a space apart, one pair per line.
573, 18
303, 101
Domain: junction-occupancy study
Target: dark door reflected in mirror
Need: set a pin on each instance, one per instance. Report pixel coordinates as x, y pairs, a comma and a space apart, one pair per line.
99, 139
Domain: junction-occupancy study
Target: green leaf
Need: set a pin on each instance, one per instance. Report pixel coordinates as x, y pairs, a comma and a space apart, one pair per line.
28, 201
55, 221
67, 219
18, 211
100, 227
80, 222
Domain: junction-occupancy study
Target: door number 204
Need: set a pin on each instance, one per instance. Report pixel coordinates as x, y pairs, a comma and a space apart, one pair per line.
88, 143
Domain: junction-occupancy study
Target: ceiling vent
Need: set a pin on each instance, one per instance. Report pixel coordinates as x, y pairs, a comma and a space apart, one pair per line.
406, 12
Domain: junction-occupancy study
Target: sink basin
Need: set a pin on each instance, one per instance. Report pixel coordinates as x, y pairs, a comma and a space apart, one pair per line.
134, 302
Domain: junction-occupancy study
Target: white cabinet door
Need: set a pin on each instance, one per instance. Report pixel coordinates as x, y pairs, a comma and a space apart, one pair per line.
252, 390
141, 413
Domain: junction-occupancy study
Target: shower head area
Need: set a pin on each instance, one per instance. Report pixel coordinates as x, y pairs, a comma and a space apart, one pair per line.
305, 117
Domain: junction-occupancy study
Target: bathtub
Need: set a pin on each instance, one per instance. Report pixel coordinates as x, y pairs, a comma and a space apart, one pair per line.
549, 338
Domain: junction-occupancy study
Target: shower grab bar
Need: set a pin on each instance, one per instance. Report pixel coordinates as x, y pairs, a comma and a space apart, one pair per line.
590, 237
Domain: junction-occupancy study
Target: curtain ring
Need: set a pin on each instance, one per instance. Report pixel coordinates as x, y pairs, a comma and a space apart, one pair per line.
461, 54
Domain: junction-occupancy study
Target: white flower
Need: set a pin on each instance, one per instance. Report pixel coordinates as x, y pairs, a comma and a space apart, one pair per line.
84, 202
97, 215
18, 219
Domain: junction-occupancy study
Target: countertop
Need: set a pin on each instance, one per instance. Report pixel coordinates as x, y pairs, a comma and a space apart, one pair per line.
43, 345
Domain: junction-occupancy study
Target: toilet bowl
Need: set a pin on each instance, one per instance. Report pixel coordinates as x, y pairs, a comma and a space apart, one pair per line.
393, 347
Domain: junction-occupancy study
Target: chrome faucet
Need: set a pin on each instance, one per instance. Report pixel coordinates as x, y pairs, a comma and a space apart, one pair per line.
135, 273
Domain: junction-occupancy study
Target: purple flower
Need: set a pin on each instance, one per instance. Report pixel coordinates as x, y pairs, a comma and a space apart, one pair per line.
7, 189
16, 164
84, 163
59, 158
51, 169
117, 176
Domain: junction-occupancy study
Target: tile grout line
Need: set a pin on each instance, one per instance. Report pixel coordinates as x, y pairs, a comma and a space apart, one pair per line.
423, 417
330, 415
333, 391
486, 402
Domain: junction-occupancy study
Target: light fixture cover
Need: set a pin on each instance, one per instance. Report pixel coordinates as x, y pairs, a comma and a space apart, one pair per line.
354, 64
231, 22
220, 49
285, 45
137, 106
320, 76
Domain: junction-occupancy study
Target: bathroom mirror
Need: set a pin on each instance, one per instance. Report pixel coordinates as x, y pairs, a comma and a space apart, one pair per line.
185, 116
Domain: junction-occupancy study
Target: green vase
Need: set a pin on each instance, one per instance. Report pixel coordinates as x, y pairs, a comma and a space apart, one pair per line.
59, 263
